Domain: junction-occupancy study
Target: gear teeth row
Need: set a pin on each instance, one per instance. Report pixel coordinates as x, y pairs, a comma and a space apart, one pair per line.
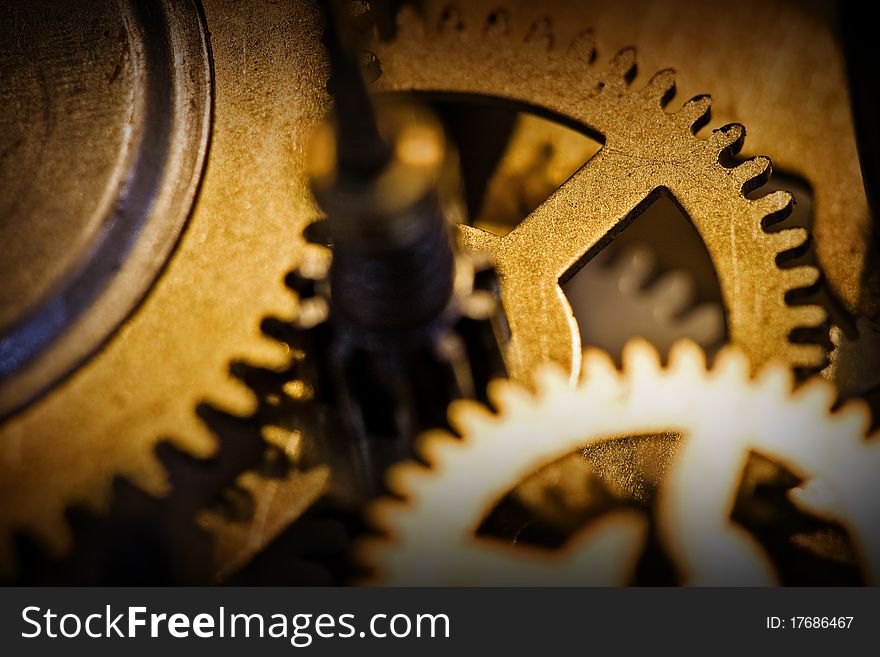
182, 476
695, 113
800, 427
661, 87
752, 174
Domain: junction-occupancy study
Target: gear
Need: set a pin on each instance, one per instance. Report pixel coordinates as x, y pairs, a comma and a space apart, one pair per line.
647, 152
722, 415
620, 301
225, 276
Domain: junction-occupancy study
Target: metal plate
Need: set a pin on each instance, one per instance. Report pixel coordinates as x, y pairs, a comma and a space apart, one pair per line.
103, 135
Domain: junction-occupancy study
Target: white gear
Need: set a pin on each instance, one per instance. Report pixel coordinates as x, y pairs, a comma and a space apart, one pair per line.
723, 414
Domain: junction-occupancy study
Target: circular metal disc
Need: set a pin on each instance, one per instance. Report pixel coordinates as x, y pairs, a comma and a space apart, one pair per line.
103, 134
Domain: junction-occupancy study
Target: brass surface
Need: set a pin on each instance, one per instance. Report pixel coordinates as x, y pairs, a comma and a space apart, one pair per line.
103, 136
429, 533
646, 152
224, 277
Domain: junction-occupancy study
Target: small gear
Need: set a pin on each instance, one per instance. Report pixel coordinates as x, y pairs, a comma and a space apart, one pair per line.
722, 415
647, 153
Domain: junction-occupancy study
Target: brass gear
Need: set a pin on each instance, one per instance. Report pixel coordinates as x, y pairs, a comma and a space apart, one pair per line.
722, 415
224, 277
646, 152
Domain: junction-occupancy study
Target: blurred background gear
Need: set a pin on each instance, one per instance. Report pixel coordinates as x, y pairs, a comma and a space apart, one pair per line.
448, 508
169, 318
623, 297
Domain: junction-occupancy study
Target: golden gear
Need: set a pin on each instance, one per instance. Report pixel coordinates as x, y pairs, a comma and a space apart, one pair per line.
225, 276
722, 415
646, 152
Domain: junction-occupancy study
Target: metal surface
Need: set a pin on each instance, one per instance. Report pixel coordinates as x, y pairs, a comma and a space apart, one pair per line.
102, 141
647, 152
226, 274
722, 414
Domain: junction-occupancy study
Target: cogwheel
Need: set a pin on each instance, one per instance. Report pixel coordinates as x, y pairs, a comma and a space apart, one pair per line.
722, 415
647, 152
205, 310
621, 301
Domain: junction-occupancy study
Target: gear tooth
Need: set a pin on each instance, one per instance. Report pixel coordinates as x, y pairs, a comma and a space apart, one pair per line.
198, 441
584, 45
806, 356
311, 312
816, 394
265, 353
550, 378
469, 417
540, 34
450, 20
287, 440
672, 295
315, 261
800, 277
857, 414
597, 368
429, 444
661, 87
686, 356
705, 324
752, 174
234, 398
621, 69
776, 379
774, 207
789, 239
640, 358
695, 113
497, 23
807, 316
727, 141
151, 476
507, 396
731, 363
635, 268
403, 478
